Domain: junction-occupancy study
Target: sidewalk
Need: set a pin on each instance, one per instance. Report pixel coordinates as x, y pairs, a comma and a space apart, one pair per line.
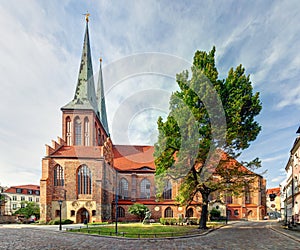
278, 227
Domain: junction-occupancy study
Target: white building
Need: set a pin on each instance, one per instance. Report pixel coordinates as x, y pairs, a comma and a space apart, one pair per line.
16, 195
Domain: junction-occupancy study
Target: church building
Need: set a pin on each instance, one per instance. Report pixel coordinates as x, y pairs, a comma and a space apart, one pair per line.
87, 177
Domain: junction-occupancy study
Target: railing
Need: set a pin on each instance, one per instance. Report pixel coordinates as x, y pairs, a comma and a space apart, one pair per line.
135, 235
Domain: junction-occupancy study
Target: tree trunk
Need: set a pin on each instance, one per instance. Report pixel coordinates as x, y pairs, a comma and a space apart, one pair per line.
204, 212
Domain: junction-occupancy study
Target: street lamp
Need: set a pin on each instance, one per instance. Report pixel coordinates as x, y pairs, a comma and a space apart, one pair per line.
116, 201
60, 204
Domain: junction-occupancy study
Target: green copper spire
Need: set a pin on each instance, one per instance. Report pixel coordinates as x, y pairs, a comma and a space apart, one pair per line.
101, 100
85, 96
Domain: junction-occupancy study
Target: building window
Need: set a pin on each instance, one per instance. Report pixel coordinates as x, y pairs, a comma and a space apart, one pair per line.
37, 192
29, 198
37, 199
167, 194
99, 137
120, 212
72, 213
77, 131
14, 198
236, 212
14, 206
22, 205
86, 132
145, 189
93, 212
68, 131
22, 198
247, 195
190, 212
29, 191
84, 180
58, 176
169, 212
19, 190
57, 213
123, 189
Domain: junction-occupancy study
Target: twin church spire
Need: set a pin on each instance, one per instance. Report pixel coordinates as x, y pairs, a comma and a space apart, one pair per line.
85, 97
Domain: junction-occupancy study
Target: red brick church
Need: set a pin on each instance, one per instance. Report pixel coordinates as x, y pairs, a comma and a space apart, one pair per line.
85, 171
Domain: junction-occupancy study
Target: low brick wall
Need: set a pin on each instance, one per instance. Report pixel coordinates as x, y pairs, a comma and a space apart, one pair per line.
7, 219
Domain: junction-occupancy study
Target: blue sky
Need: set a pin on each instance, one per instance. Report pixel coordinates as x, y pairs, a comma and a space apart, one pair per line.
40, 48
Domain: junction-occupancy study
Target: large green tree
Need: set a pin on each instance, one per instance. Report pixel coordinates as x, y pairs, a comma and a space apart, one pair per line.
30, 208
210, 122
138, 210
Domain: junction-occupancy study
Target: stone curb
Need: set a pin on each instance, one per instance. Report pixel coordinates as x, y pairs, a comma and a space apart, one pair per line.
153, 239
285, 234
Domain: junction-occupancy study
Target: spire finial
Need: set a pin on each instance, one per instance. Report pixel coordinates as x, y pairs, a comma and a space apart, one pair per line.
87, 14
100, 59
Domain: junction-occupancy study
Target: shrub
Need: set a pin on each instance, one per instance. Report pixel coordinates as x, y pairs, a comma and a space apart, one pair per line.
215, 214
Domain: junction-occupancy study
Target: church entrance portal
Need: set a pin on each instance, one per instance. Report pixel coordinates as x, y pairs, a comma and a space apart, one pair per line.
82, 215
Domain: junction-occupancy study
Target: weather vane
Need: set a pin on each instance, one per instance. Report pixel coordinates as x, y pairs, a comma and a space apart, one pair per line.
87, 14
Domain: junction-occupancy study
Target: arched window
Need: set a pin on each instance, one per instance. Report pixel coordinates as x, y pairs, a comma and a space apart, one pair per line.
77, 127
86, 132
99, 137
190, 212
58, 176
68, 131
84, 180
123, 189
168, 212
167, 194
145, 189
120, 212
247, 195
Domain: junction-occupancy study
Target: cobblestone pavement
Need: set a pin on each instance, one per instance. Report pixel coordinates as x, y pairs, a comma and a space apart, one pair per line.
240, 235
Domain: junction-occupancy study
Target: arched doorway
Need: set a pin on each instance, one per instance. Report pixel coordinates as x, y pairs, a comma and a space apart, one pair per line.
81, 215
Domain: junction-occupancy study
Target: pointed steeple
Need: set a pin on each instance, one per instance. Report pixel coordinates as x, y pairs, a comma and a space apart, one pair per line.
85, 96
101, 100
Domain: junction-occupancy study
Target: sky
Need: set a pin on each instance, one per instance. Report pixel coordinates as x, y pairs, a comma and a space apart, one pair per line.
143, 45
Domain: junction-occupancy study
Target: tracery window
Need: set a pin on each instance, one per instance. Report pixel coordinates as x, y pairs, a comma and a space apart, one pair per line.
77, 124
167, 193
169, 212
120, 212
58, 176
145, 189
190, 212
86, 132
247, 195
84, 180
123, 189
68, 131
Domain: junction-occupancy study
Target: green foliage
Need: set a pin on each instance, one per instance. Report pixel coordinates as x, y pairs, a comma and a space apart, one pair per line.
215, 213
63, 222
31, 208
208, 117
138, 210
178, 221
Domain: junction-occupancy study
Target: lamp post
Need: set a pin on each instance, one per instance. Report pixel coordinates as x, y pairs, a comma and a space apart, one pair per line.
116, 201
60, 204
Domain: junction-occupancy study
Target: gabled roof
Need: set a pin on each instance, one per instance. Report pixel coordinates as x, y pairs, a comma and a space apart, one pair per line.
78, 152
273, 191
133, 158
25, 188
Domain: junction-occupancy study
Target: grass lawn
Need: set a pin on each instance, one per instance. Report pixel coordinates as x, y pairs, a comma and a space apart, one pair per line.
139, 230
